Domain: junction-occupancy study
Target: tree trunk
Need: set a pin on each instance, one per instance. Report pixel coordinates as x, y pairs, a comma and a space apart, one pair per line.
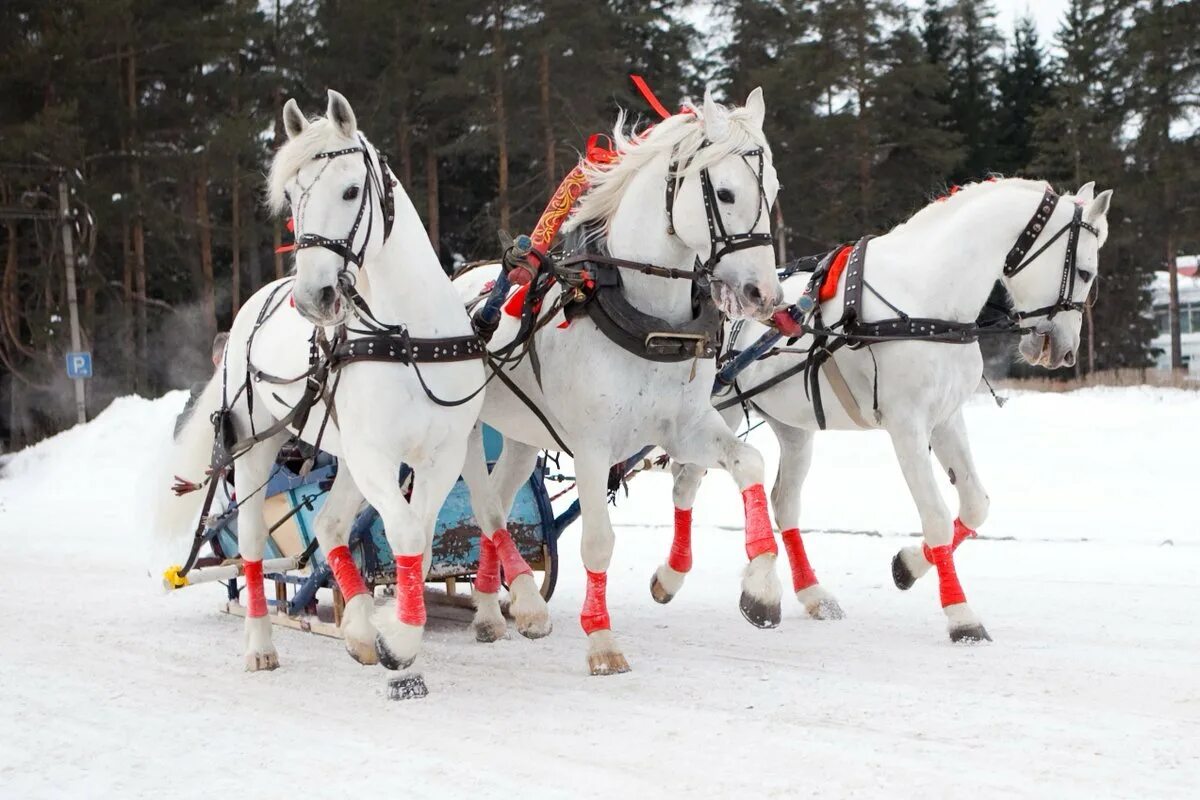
498, 57
235, 245
138, 233
780, 234
547, 117
208, 304
431, 198
1173, 303
280, 135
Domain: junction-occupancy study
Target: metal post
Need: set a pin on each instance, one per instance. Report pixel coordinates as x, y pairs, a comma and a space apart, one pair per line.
72, 298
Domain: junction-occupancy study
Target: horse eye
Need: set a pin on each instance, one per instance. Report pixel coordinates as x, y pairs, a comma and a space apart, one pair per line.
350, 193
725, 196
1085, 276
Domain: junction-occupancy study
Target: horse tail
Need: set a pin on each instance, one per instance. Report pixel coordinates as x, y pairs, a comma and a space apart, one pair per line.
182, 471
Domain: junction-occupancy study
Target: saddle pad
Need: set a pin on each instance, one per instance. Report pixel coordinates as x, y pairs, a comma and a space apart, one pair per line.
830, 286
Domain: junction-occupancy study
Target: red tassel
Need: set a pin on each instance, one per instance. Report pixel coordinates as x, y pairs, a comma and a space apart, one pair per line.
183, 486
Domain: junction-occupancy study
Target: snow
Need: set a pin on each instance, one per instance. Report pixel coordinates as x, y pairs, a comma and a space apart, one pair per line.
1091, 688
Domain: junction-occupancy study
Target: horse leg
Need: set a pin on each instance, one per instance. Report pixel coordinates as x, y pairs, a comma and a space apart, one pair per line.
795, 457
596, 547
527, 605
250, 476
912, 451
953, 450
376, 472
332, 527
489, 621
668, 578
709, 442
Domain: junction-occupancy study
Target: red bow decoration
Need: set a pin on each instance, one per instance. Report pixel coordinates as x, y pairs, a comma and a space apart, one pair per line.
287, 248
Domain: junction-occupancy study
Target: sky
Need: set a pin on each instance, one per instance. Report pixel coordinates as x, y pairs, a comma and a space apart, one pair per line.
1047, 13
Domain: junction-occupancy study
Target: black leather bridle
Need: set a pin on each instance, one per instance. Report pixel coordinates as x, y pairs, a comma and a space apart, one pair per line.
722, 242
378, 181
1016, 260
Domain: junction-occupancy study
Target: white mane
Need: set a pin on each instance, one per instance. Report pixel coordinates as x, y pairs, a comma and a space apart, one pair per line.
683, 135
319, 136
936, 212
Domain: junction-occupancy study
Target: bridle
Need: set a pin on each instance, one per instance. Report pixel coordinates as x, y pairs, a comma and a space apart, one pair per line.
1016, 260
378, 181
722, 242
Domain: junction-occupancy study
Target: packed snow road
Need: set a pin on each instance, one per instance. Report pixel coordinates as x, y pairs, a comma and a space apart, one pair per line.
1089, 582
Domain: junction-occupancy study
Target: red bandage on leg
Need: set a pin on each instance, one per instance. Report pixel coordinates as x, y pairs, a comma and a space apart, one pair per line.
594, 616
345, 572
760, 536
510, 558
802, 572
256, 601
961, 532
410, 589
487, 577
680, 558
942, 557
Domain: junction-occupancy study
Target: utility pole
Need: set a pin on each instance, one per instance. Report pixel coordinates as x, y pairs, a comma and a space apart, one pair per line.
68, 238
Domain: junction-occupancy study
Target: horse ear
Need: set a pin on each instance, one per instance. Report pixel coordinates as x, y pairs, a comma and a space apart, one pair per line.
1098, 208
716, 123
757, 106
341, 114
294, 121
1086, 193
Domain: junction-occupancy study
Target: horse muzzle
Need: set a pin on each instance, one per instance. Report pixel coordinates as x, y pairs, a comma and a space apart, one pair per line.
1049, 346
324, 307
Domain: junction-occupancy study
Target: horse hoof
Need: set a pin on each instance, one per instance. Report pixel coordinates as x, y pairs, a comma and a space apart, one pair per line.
760, 614
826, 609
535, 628
607, 663
260, 662
407, 687
388, 659
970, 634
362, 652
488, 632
901, 574
659, 592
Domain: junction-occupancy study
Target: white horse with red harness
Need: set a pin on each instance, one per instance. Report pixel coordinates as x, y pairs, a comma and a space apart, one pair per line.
633, 364
366, 351
906, 309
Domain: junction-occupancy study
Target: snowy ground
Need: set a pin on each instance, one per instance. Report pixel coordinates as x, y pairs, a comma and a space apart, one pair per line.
1089, 581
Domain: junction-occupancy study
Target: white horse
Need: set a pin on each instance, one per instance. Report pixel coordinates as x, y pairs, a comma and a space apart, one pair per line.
680, 194
940, 264
354, 227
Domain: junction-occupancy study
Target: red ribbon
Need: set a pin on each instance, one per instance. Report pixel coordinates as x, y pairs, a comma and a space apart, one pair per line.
287, 248
647, 94
598, 153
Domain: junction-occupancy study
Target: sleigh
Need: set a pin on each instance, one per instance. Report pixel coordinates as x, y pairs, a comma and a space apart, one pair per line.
306, 596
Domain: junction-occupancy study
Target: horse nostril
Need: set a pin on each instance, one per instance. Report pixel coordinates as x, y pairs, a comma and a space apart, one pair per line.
752, 293
328, 295
1069, 359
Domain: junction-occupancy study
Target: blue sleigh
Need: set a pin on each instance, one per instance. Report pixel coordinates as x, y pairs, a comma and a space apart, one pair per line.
295, 563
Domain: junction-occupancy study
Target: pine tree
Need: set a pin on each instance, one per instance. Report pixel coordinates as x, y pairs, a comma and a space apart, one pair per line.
973, 78
1024, 93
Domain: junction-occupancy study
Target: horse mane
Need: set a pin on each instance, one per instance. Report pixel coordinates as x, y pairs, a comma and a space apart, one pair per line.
319, 136
956, 197
682, 134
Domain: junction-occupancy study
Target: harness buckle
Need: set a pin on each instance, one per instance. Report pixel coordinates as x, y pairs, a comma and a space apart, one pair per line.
667, 343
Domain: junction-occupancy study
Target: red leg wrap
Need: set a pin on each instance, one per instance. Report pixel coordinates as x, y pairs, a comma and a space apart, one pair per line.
345, 572
594, 616
410, 589
510, 558
680, 558
802, 572
487, 577
760, 536
950, 589
256, 601
961, 533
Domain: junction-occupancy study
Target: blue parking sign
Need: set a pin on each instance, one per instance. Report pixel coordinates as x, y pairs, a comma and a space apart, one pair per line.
79, 365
